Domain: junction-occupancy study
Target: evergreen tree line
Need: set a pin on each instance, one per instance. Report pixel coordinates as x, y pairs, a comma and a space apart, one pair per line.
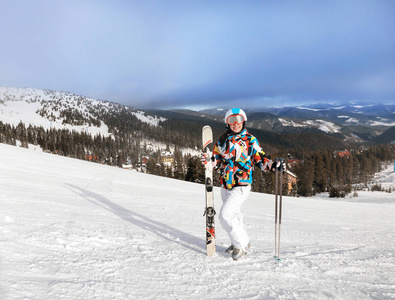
111, 150
324, 171
115, 150
317, 172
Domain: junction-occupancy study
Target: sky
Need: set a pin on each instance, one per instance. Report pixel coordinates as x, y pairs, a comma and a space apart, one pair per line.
168, 54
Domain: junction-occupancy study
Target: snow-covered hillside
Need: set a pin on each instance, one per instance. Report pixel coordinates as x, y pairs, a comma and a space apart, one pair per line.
325, 126
71, 229
46, 108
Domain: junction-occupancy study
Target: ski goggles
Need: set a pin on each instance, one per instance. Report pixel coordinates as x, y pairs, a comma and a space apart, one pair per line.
231, 120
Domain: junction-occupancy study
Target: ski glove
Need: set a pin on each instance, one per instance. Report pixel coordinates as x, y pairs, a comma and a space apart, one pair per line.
278, 166
205, 158
269, 165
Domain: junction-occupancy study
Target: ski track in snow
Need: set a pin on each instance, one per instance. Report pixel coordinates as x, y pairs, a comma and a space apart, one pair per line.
71, 229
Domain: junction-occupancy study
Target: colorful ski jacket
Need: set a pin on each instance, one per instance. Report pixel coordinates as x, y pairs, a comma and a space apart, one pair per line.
236, 155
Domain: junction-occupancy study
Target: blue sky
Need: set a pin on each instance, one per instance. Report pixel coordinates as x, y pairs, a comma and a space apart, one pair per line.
165, 54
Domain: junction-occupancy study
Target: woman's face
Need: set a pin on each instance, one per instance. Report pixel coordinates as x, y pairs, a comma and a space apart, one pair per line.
236, 127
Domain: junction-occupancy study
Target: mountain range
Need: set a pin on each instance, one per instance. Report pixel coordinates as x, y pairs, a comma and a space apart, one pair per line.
353, 122
361, 122
281, 127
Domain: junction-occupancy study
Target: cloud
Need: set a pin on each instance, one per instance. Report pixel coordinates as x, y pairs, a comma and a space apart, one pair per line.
178, 53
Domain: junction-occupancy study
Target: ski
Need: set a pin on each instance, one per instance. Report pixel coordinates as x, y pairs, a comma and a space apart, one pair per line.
207, 139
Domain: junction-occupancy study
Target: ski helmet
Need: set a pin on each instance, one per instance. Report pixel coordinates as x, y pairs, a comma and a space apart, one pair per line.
238, 113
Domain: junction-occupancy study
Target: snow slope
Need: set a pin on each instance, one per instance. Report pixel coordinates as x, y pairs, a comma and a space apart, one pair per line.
71, 229
23, 105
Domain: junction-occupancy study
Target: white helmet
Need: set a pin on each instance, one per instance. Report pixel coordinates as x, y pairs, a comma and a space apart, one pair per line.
235, 112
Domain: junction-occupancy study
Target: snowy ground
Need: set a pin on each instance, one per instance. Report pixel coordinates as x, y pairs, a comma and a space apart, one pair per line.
22, 105
71, 229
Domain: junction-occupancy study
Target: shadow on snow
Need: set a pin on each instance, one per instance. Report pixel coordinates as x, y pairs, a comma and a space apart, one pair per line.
162, 230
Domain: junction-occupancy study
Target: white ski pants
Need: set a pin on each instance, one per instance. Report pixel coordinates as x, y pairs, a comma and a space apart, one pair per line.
230, 215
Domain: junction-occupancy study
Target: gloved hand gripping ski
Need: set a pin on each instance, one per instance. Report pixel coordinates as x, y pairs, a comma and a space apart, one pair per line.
206, 160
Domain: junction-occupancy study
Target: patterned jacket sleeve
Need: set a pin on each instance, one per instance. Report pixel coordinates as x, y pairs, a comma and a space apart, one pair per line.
259, 156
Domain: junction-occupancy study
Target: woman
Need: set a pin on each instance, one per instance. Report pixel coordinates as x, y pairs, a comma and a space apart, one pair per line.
235, 155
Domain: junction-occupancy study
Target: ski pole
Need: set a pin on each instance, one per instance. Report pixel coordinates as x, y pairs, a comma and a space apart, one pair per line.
280, 207
275, 212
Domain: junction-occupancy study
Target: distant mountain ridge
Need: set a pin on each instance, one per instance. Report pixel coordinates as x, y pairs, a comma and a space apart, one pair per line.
63, 110
388, 137
358, 122
311, 127
347, 114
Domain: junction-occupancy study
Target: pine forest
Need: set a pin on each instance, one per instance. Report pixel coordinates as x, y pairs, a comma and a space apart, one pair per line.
315, 171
